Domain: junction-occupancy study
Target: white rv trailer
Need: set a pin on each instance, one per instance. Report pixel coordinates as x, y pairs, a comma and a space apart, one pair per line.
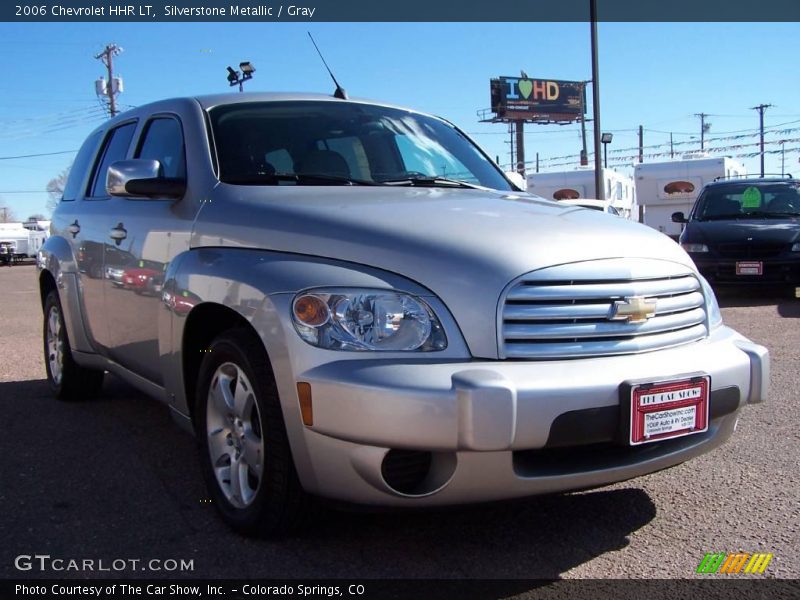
664, 188
26, 242
579, 183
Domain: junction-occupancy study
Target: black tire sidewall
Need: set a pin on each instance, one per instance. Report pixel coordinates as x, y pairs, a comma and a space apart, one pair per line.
240, 348
77, 382
51, 302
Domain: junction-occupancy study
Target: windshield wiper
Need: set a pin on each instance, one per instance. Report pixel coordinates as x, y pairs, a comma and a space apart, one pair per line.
431, 181
260, 179
731, 216
298, 178
772, 213
323, 177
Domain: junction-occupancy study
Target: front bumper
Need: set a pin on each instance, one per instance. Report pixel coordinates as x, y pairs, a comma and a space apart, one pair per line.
779, 270
504, 429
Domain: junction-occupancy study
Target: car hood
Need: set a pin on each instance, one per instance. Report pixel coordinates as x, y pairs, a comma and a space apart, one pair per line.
464, 245
772, 231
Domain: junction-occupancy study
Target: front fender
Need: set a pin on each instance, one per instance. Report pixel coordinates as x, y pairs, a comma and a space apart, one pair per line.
245, 280
259, 286
56, 258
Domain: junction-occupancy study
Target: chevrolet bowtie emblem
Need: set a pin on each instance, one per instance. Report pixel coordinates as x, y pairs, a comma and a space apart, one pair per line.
635, 309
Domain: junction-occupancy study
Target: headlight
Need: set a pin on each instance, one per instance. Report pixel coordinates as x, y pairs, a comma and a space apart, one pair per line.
796, 247
712, 306
695, 247
356, 319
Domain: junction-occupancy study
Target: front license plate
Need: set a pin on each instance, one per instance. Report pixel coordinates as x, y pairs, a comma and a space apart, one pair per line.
749, 267
668, 409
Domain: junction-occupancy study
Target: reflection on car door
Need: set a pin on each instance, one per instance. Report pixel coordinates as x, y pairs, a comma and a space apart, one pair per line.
143, 234
84, 228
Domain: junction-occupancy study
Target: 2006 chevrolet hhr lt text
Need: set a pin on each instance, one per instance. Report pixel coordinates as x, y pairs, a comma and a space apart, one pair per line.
349, 299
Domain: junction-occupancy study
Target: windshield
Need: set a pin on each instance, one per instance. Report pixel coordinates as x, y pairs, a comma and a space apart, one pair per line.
344, 143
745, 200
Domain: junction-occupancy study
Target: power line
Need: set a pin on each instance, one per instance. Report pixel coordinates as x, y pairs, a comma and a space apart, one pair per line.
725, 132
35, 155
22, 130
75, 112
624, 159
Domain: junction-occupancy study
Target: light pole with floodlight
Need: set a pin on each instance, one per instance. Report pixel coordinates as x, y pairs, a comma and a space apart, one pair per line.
238, 78
605, 139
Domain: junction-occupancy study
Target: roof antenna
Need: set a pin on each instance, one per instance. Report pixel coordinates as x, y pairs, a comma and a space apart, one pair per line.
339, 93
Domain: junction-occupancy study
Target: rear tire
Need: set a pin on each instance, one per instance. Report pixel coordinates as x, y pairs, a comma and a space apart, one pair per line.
67, 379
244, 450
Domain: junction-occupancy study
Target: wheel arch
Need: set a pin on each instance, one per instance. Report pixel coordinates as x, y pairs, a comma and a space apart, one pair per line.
209, 290
47, 283
204, 323
58, 272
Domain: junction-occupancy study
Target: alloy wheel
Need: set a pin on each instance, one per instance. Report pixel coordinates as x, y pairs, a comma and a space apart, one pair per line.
235, 441
55, 345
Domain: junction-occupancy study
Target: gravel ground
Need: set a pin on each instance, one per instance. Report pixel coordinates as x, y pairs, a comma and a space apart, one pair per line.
115, 478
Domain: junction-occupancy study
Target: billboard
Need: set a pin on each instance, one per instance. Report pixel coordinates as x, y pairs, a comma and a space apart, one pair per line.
523, 98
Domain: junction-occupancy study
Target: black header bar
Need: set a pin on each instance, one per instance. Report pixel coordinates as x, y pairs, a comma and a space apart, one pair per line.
401, 11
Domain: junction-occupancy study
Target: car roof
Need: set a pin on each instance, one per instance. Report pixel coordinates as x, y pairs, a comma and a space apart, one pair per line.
213, 100
753, 181
210, 101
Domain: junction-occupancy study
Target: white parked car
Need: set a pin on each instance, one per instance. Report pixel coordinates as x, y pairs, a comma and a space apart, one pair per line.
599, 205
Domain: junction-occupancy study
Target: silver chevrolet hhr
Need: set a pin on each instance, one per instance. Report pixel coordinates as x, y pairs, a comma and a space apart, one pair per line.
347, 299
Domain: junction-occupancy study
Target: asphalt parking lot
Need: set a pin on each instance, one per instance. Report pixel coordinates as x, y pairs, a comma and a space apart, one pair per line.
115, 478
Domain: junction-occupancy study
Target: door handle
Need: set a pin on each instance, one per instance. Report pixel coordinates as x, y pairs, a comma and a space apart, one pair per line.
74, 228
118, 233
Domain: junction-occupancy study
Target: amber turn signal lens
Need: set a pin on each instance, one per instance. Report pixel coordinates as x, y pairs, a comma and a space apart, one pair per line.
306, 410
311, 310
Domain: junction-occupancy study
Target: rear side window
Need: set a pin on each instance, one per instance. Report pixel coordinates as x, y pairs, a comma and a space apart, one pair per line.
163, 141
81, 164
116, 148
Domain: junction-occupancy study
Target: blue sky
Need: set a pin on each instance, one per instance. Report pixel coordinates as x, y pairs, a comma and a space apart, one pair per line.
654, 74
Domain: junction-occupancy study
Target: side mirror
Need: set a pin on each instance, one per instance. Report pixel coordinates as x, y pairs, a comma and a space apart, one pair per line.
517, 179
678, 217
141, 177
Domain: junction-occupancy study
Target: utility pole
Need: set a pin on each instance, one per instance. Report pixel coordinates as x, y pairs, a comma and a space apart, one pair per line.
511, 141
641, 144
703, 128
112, 88
584, 154
761, 108
783, 157
671, 150
599, 187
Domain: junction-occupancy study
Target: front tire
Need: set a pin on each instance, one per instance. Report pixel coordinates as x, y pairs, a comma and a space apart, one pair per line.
67, 379
244, 451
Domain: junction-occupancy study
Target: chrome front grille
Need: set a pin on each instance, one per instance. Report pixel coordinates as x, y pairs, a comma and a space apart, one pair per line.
545, 315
